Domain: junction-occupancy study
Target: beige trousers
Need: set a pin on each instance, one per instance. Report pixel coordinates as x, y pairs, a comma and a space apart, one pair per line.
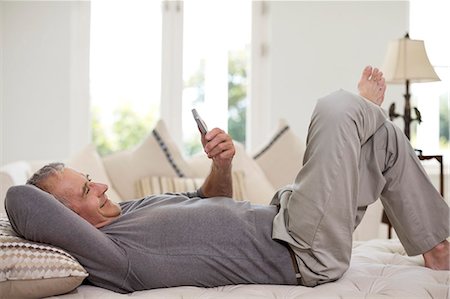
354, 156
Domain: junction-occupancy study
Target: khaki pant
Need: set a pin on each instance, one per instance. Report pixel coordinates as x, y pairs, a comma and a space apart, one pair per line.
354, 156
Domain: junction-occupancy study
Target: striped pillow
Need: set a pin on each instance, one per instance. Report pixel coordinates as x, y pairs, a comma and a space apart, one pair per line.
160, 184
34, 270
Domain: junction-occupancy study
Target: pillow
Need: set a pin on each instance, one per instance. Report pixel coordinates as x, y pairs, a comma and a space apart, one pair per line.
158, 185
34, 270
88, 161
257, 187
281, 157
157, 155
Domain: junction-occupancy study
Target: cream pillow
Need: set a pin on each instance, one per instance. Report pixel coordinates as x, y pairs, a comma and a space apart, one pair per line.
281, 156
257, 187
157, 155
88, 161
158, 185
34, 270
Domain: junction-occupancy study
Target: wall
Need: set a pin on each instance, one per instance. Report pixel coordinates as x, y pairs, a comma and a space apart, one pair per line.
318, 47
313, 49
1, 85
45, 76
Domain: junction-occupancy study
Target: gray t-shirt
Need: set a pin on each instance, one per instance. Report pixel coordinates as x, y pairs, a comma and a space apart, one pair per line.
161, 241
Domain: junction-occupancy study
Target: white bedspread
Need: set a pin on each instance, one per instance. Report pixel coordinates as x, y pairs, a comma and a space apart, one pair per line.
379, 269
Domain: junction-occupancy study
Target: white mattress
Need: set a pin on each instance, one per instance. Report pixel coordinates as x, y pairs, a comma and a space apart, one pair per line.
379, 269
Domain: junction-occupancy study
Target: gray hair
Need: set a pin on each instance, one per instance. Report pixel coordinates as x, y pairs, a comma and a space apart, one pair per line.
44, 173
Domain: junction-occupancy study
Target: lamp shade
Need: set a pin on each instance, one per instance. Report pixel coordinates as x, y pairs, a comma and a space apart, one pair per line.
406, 59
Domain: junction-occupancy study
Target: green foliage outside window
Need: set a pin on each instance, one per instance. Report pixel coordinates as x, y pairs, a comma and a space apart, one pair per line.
237, 95
128, 129
444, 123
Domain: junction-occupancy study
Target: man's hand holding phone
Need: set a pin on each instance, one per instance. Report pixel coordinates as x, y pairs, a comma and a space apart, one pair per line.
220, 148
217, 144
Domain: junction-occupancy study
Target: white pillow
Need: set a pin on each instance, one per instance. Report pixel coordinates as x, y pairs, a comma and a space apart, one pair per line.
257, 186
88, 161
157, 155
281, 156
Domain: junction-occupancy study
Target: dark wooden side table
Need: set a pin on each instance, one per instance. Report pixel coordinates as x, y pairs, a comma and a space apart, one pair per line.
421, 157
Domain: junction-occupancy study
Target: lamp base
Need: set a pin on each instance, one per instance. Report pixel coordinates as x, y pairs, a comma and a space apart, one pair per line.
407, 112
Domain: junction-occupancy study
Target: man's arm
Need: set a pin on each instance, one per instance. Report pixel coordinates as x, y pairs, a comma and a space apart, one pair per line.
220, 148
37, 216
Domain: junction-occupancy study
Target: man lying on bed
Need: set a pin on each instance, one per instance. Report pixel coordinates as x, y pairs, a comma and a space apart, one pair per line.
204, 238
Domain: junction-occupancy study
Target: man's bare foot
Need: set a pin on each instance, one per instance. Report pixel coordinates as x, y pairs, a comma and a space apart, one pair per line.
438, 258
372, 85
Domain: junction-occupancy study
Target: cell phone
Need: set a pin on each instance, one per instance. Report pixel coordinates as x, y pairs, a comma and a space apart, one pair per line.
200, 123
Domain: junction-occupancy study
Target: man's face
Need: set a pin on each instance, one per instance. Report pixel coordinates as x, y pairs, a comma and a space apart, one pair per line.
86, 198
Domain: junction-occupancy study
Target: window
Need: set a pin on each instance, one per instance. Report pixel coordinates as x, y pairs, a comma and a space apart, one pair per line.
125, 71
216, 47
429, 22
130, 73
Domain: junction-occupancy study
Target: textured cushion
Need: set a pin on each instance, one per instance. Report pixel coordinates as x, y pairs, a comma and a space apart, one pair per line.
257, 187
157, 155
34, 270
89, 162
158, 185
281, 156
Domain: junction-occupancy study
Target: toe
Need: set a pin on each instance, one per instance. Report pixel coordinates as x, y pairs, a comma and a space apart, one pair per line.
366, 73
378, 76
375, 74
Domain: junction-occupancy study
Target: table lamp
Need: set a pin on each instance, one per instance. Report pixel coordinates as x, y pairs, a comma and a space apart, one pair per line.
407, 62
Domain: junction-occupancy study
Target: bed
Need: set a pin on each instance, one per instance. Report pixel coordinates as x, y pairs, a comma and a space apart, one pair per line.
379, 269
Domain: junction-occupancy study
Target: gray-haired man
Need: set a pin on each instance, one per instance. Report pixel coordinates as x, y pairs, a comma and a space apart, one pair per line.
204, 238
